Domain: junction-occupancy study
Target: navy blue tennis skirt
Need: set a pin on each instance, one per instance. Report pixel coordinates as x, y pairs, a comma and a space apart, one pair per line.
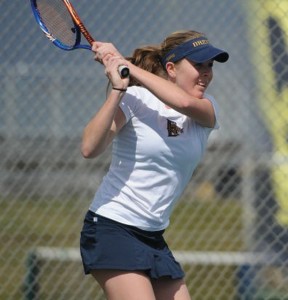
107, 244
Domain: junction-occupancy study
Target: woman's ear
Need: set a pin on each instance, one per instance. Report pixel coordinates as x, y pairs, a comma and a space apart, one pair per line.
171, 70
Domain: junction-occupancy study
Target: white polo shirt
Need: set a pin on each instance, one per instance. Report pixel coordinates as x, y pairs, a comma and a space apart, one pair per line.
153, 159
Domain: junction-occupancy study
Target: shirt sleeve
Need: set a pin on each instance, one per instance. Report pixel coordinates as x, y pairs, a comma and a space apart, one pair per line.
130, 102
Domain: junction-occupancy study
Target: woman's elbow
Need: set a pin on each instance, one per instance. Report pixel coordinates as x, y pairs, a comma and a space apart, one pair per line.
88, 153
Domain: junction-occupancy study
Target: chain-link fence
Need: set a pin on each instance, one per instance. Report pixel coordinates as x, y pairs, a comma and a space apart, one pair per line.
229, 229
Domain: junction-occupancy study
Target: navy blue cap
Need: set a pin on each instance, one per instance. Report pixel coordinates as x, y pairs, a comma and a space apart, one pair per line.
197, 50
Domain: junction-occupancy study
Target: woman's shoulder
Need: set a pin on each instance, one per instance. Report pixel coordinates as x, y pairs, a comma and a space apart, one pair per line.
209, 97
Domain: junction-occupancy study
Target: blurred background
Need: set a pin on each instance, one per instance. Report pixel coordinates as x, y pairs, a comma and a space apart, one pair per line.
229, 230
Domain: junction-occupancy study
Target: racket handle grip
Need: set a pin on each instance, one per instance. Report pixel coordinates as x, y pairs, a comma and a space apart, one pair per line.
124, 71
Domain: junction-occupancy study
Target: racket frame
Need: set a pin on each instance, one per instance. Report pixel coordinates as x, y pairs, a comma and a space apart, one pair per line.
52, 38
78, 22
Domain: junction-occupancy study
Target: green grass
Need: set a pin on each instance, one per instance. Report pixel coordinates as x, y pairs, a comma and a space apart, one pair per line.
206, 226
26, 224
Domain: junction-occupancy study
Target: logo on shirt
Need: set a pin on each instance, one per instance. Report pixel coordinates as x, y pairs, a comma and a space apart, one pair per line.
173, 129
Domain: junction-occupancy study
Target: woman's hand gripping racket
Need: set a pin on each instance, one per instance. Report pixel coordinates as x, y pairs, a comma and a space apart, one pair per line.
63, 26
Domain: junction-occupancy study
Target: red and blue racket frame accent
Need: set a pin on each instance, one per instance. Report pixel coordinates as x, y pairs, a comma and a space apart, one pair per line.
78, 29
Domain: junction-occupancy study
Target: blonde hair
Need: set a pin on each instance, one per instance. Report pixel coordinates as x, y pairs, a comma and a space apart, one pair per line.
149, 57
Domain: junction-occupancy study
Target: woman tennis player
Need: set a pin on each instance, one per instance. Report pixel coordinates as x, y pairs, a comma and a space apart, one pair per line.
159, 120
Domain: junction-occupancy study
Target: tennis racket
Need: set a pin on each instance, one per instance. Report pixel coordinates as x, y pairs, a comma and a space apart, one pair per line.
62, 25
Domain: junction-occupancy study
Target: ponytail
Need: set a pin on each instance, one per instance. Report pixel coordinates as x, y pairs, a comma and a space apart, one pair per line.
148, 58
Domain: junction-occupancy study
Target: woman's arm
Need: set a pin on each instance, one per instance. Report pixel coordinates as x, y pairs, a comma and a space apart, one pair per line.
100, 131
200, 110
107, 122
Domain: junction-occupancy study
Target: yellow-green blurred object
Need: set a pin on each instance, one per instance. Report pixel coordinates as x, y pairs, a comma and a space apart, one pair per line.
270, 56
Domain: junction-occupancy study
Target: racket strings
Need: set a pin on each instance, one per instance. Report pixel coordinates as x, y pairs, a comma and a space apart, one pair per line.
58, 21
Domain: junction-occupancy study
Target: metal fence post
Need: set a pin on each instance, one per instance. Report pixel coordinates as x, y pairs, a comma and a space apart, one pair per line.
31, 286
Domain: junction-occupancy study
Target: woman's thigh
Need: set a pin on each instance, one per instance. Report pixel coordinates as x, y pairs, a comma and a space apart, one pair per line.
120, 285
170, 289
